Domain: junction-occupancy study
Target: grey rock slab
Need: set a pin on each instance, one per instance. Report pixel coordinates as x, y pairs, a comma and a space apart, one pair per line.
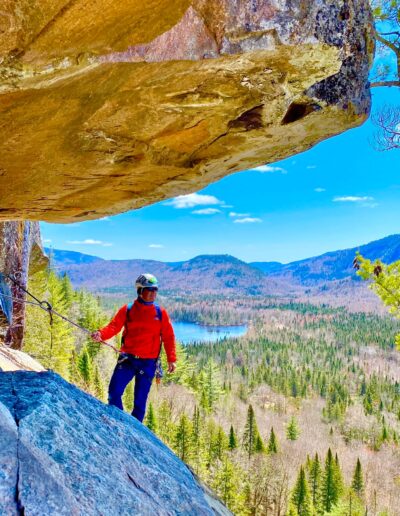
79, 456
8, 462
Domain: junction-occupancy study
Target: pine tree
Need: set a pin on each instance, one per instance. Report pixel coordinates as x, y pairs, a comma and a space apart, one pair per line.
301, 498
85, 368
272, 442
151, 419
49, 340
98, 385
166, 428
292, 511
260, 446
358, 481
220, 443
67, 289
315, 477
197, 444
211, 388
292, 431
232, 439
384, 434
183, 438
127, 398
250, 432
330, 488
225, 483
339, 477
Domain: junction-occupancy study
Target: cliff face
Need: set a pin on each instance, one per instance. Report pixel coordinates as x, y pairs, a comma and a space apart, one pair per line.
64, 452
118, 105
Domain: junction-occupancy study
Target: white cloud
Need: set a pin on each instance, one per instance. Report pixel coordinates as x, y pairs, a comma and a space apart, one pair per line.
207, 211
47, 240
319, 189
268, 168
89, 241
192, 200
156, 246
369, 204
247, 220
234, 214
352, 198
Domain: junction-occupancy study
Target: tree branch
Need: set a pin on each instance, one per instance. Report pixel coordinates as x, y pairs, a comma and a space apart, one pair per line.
384, 83
387, 43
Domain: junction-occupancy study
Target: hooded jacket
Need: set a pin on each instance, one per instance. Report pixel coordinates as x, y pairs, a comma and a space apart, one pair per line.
145, 331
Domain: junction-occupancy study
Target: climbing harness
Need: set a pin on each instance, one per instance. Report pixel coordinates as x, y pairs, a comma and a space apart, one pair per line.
46, 306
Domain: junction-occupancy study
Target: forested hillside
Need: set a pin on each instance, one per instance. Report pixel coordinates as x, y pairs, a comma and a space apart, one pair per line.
299, 417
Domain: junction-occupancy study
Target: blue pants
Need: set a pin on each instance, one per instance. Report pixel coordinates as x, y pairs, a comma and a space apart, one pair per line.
128, 367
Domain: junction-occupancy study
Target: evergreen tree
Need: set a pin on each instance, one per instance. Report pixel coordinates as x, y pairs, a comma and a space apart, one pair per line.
166, 429
197, 444
384, 434
49, 340
127, 397
73, 371
211, 388
183, 438
232, 439
259, 447
292, 510
85, 368
250, 432
220, 443
330, 488
272, 442
225, 483
68, 291
98, 385
151, 419
292, 431
358, 481
339, 477
315, 476
301, 498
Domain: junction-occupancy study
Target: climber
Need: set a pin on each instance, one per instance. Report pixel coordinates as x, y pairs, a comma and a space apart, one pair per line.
146, 326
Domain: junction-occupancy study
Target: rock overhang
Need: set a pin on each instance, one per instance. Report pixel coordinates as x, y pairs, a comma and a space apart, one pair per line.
118, 118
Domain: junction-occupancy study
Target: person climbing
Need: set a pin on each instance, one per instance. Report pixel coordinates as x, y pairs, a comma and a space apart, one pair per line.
146, 326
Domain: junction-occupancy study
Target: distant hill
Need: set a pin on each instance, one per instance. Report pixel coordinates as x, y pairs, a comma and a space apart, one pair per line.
223, 273
335, 265
70, 257
328, 274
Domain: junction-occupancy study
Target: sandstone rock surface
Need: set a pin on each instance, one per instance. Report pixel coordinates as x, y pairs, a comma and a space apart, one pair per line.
114, 105
64, 452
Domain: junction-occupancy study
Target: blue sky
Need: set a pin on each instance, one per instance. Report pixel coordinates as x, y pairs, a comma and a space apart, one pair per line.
339, 194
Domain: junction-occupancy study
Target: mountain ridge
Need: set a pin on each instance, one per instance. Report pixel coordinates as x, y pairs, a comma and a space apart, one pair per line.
330, 266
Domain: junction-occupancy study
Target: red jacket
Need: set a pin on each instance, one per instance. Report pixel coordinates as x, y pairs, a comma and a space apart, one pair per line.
145, 331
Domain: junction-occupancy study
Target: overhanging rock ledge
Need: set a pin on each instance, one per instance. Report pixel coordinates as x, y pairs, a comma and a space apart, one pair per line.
121, 105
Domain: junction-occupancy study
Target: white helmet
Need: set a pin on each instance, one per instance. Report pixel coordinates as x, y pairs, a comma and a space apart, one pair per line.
146, 280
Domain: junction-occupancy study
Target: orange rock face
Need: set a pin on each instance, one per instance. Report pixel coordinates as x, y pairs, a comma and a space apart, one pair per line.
108, 106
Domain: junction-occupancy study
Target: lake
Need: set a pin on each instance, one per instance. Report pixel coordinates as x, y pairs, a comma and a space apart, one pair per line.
186, 332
